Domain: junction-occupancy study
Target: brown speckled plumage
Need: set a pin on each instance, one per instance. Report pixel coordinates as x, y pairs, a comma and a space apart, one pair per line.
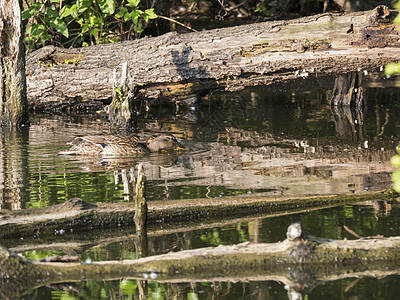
116, 145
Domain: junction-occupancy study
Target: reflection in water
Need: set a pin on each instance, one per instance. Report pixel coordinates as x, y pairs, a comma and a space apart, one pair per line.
348, 123
348, 90
13, 168
263, 141
281, 140
328, 222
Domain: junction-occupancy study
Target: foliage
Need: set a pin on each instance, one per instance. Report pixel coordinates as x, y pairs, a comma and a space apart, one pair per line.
396, 174
262, 10
77, 23
390, 69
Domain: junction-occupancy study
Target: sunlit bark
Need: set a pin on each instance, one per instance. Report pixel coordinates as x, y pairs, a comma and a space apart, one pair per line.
176, 66
13, 102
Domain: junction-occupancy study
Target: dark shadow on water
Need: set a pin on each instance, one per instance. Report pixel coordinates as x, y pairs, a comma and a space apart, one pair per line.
187, 73
348, 123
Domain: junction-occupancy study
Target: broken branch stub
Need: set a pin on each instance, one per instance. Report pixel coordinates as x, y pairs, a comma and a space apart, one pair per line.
121, 111
140, 217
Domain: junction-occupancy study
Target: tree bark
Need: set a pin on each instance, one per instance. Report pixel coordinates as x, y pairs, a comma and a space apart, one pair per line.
175, 65
13, 103
121, 111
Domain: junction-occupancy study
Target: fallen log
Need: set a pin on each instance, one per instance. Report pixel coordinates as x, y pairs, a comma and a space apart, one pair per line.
301, 262
176, 65
76, 215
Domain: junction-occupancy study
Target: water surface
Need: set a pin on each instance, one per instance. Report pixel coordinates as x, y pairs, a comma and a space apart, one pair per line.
280, 140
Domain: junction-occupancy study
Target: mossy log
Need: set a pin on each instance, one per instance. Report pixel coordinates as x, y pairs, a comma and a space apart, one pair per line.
175, 65
301, 261
75, 214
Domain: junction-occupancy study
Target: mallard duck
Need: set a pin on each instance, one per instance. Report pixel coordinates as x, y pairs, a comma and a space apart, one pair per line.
163, 143
116, 145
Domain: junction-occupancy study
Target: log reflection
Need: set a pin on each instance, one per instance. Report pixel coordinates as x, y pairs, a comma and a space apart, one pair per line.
13, 168
348, 123
348, 91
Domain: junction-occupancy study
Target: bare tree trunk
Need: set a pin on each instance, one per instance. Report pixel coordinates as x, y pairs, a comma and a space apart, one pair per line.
13, 103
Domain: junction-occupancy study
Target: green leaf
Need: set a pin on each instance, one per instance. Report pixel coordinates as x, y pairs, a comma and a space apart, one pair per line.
150, 14
51, 13
66, 11
94, 32
94, 21
83, 5
138, 28
396, 176
135, 15
392, 68
37, 30
80, 21
74, 11
27, 13
60, 26
107, 6
28, 40
127, 16
85, 28
45, 37
32, 10
121, 13
395, 161
133, 3
397, 19
192, 296
396, 186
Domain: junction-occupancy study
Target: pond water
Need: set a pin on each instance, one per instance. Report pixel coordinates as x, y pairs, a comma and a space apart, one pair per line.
278, 140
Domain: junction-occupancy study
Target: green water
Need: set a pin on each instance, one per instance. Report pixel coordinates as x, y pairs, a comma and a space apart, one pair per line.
281, 140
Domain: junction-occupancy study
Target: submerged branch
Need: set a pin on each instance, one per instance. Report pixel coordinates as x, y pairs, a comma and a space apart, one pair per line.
301, 262
75, 214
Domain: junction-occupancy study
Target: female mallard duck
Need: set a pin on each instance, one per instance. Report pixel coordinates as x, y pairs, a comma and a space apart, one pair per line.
116, 145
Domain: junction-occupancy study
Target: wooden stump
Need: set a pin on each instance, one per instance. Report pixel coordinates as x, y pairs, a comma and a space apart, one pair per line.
140, 201
121, 111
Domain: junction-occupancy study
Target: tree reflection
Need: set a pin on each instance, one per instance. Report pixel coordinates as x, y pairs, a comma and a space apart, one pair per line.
348, 123
13, 167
